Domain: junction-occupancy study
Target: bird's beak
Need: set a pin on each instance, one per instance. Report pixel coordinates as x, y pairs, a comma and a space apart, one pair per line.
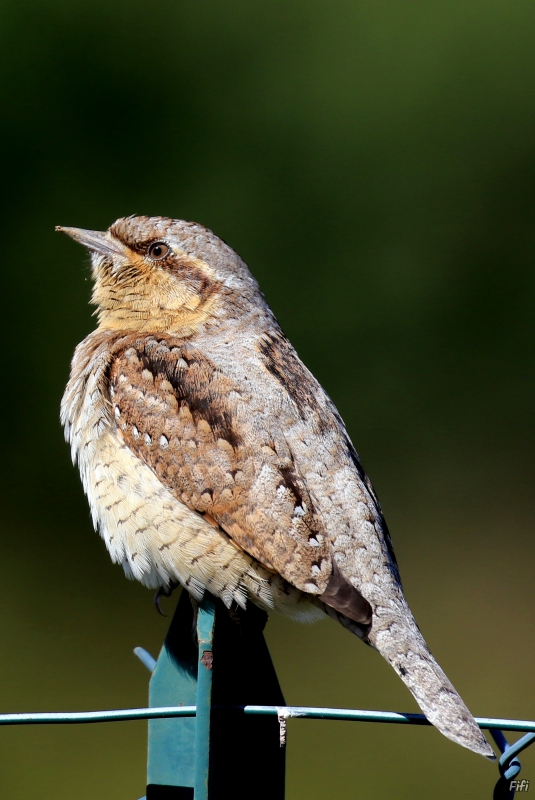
97, 241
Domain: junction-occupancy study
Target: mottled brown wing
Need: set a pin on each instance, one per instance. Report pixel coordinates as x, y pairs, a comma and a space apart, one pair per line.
192, 426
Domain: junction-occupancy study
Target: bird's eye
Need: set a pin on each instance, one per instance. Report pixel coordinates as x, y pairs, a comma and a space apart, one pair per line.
158, 250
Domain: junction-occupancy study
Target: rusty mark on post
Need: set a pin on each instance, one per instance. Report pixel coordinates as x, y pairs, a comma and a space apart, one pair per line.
207, 659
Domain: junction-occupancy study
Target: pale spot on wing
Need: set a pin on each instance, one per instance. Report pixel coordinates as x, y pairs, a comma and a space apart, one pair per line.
203, 427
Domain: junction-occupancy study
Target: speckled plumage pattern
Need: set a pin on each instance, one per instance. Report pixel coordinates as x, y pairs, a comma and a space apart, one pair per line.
212, 457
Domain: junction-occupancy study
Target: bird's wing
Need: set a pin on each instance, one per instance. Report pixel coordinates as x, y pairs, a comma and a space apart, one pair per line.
188, 422
191, 425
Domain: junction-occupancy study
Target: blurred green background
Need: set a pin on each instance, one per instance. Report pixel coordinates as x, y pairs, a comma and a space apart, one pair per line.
374, 163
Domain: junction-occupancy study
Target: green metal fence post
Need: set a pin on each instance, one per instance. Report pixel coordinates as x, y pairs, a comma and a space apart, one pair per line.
206, 620
171, 748
247, 759
222, 751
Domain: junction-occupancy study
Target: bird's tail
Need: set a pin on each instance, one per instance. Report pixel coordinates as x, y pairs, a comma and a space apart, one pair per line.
395, 634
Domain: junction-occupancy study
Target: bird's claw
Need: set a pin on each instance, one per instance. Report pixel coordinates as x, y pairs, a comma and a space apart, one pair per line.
163, 592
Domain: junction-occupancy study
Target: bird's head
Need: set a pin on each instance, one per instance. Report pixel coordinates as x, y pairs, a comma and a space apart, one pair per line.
156, 274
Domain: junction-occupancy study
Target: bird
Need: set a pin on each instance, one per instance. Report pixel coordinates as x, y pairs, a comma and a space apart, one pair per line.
212, 458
